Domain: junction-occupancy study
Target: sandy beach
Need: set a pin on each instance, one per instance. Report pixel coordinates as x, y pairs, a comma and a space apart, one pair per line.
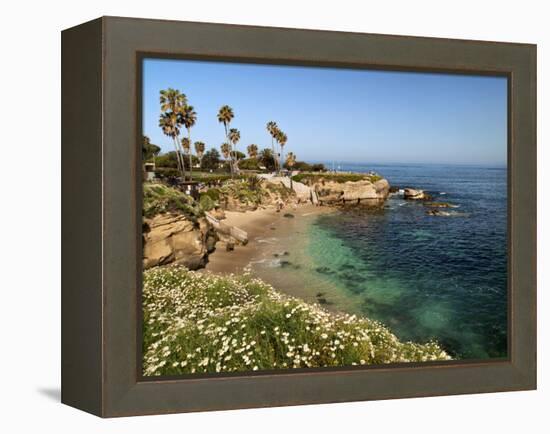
264, 227
277, 252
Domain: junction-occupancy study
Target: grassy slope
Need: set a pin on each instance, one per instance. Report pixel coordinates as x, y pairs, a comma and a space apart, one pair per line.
159, 199
207, 323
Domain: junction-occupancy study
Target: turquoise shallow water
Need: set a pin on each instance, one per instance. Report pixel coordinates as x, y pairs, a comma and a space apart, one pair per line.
425, 277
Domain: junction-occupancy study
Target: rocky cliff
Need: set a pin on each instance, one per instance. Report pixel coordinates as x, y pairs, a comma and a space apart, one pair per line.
362, 191
174, 239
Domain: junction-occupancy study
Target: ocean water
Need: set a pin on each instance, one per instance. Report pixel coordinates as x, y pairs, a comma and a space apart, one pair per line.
425, 277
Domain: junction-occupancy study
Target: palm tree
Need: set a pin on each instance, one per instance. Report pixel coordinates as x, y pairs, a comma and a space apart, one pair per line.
272, 128
226, 151
225, 115
234, 137
171, 103
199, 149
252, 151
186, 145
170, 126
172, 100
290, 160
188, 119
281, 139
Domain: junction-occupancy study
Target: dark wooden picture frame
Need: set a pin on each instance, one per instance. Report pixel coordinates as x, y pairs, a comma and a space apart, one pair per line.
101, 212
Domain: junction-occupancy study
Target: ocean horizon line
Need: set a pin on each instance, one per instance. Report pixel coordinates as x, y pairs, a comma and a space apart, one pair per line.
336, 163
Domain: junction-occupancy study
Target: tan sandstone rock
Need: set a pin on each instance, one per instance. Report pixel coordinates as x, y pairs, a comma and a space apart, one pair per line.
412, 194
177, 240
352, 191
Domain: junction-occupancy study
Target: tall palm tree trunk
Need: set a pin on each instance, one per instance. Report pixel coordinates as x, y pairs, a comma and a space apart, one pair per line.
273, 152
181, 155
190, 155
234, 159
179, 159
230, 150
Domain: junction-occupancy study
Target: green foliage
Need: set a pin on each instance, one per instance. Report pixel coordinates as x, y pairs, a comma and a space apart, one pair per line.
239, 156
306, 167
160, 199
267, 159
206, 202
167, 160
311, 178
254, 183
148, 149
249, 164
279, 189
166, 172
201, 322
240, 190
318, 167
213, 193
211, 159
207, 177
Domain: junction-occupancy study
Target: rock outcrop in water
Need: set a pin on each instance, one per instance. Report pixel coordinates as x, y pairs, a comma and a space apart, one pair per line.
437, 212
440, 205
333, 192
412, 194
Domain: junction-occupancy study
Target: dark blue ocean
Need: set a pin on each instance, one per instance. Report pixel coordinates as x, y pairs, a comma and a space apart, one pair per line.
425, 277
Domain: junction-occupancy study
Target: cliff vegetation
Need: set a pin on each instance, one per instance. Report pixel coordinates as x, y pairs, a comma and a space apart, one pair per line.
201, 322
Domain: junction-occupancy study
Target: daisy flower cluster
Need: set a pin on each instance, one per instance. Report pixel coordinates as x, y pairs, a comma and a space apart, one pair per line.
204, 323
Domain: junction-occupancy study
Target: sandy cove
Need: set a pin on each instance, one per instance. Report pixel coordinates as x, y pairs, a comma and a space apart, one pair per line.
259, 225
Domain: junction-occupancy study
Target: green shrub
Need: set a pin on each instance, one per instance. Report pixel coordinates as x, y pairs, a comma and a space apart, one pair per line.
160, 199
318, 167
166, 172
249, 164
213, 193
240, 190
206, 202
280, 189
206, 177
167, 160
306, 167
311, 178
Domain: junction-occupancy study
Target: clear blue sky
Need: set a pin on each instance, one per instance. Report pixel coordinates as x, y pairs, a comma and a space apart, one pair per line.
339, 114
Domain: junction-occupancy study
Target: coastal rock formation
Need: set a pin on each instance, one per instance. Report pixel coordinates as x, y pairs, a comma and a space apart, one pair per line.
382, 188
440, 205
243, 196
352, 191
217, 213
412, 194
174, 239
437, 212
233, 203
